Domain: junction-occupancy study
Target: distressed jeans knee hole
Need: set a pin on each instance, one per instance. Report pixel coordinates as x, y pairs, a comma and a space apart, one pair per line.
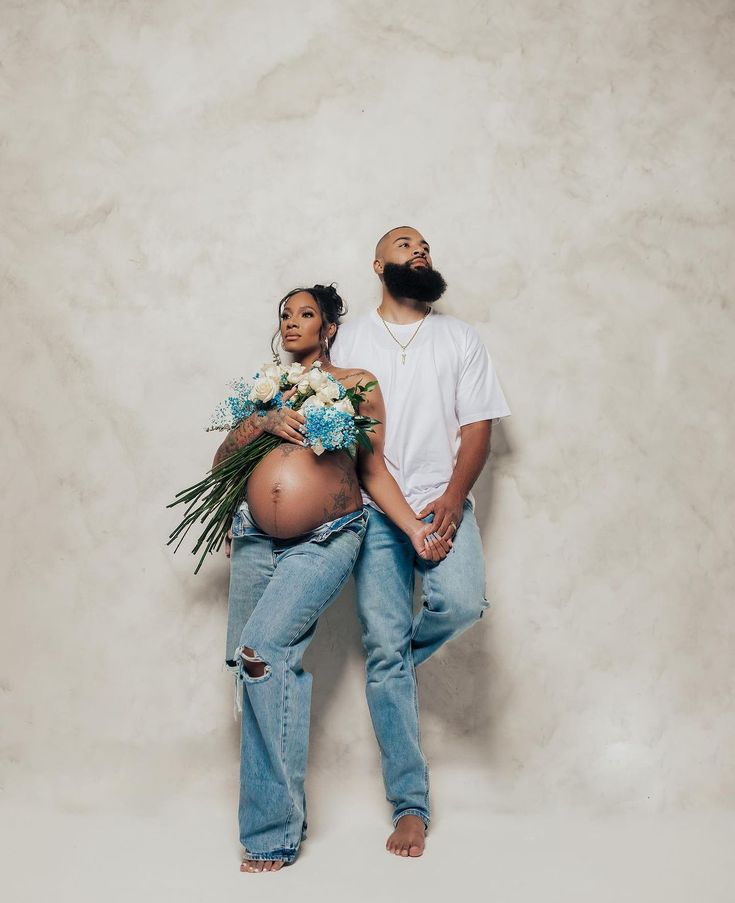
254, 668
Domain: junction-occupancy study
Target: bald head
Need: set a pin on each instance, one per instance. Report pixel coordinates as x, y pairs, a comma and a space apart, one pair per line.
391, 235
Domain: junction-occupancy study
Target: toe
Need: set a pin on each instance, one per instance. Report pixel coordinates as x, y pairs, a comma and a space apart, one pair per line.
277, 866
415, 850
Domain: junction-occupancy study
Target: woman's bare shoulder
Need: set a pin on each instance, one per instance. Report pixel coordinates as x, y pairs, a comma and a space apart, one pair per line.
352, 376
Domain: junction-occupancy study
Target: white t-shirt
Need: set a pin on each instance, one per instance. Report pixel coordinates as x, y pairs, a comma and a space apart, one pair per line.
447, 381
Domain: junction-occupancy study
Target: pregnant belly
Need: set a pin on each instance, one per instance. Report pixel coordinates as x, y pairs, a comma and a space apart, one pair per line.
293, 491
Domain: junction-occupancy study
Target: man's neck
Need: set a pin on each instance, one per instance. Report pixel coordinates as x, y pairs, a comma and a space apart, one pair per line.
401, 310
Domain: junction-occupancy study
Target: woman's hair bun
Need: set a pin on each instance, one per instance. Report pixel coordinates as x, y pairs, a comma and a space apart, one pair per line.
330, 296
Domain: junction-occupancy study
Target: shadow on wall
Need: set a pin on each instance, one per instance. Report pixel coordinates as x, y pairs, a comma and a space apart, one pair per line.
459, 687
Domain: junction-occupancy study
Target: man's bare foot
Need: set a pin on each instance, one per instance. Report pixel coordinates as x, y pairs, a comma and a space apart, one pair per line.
408, 837
261, 865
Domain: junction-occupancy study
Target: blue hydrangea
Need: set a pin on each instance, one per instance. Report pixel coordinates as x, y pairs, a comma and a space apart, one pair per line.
238, 406
330, 428
276, 403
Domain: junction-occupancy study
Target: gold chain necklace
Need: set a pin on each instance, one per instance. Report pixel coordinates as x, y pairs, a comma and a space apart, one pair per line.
402, 346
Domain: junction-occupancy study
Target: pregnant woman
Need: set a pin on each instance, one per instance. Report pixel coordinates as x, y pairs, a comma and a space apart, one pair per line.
294, 545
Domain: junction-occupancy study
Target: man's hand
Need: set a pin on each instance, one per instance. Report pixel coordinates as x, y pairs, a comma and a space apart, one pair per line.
447, 510
285, 423
228, 543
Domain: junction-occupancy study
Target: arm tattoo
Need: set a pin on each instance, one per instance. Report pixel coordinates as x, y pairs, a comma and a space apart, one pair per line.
243, 434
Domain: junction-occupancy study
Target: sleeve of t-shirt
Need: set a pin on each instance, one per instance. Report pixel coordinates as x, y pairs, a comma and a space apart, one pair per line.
479, 394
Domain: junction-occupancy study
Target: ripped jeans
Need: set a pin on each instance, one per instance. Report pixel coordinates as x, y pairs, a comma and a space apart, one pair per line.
278, 590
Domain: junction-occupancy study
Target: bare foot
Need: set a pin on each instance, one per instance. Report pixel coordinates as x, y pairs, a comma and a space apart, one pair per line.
408, 837
261, 865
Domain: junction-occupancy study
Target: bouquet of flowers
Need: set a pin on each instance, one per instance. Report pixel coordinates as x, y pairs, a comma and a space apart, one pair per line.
332, 423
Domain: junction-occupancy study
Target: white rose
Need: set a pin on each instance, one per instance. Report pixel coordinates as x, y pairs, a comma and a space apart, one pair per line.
294, 373
344, 404
264, 389
317, 379
313, 401
329, 391
303, 386
272, 371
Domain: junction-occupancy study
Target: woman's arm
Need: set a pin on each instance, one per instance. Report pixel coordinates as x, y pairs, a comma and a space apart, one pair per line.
384, 490
284, 423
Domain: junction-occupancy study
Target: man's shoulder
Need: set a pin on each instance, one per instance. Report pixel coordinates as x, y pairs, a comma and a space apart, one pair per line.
463, 334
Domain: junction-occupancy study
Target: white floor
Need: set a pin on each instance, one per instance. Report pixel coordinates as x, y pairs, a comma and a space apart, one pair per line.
190, 855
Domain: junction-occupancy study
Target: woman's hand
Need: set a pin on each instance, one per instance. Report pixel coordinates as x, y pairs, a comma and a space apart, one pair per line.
429, 545
285, 423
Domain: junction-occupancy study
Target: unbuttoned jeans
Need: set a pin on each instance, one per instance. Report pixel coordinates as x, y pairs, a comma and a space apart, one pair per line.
453, 598
278, 590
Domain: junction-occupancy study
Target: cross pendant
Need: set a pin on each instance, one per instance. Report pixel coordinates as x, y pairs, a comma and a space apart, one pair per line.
403, 357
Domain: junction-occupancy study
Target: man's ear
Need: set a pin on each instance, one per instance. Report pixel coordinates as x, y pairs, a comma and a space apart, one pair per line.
378, 266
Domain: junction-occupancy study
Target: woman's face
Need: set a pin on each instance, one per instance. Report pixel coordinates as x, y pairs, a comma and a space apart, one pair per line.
301, 324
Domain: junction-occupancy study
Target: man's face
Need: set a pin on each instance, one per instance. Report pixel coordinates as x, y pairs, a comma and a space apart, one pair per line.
403, 263
401, 246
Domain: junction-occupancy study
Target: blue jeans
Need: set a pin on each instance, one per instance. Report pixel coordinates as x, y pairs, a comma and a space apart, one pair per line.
278, 589
453, 598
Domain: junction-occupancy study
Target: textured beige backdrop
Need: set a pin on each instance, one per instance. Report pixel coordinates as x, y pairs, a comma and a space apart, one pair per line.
168, 170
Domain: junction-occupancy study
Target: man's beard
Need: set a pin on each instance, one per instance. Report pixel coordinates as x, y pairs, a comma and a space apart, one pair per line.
417, 283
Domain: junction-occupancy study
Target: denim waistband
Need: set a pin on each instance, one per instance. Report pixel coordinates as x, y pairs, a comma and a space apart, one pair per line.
243, 525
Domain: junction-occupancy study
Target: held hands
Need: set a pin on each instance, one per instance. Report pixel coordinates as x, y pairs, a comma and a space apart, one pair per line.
429, 545
285, 423
448, 510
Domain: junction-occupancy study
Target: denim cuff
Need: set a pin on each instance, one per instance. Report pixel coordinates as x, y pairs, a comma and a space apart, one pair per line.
276, 856
418, 812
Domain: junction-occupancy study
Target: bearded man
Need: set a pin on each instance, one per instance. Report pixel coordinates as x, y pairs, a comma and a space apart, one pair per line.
441, 395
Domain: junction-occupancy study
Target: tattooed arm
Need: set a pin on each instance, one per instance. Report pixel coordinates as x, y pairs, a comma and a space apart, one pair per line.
284, 423
243, 434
